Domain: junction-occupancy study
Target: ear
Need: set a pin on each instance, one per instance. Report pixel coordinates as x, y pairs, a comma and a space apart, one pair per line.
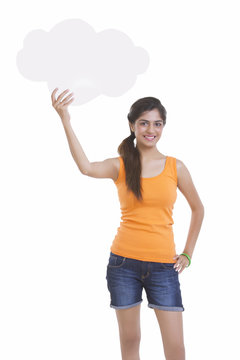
131, 126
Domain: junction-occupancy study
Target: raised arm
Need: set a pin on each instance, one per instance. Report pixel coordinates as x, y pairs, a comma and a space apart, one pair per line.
101, 169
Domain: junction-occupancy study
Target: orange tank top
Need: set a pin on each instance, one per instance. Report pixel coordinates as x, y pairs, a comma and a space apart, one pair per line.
145, 232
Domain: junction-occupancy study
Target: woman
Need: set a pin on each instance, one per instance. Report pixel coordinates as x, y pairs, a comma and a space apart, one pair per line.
143, 251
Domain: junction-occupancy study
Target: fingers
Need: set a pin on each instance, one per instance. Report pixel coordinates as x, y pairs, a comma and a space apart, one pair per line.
181, 264
53, 95
62, 95
57, 102
70, 101
181, 269
65, 101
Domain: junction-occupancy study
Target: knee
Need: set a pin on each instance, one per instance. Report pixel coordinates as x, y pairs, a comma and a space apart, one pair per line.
130, 340
176, 352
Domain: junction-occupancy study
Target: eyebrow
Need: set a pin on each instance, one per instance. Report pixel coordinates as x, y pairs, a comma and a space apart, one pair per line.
148, 120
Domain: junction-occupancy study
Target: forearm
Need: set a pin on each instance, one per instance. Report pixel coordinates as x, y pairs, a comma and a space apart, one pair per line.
194, 229
76, 149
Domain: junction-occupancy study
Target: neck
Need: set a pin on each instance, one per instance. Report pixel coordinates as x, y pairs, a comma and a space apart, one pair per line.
149, 153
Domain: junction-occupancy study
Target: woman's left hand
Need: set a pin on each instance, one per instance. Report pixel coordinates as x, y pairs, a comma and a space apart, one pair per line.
181, 264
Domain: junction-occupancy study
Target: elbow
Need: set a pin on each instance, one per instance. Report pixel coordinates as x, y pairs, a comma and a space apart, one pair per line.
84, 172
197, 206
199, 209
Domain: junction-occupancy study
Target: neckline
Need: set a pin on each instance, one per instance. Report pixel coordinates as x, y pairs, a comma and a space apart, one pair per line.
153, 177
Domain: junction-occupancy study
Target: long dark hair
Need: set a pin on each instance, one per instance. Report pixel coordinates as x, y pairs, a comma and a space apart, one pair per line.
127, 149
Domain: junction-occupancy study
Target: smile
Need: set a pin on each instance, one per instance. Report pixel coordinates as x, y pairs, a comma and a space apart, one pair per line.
149, 138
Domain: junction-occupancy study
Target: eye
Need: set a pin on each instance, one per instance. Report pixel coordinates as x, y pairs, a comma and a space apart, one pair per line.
144, 122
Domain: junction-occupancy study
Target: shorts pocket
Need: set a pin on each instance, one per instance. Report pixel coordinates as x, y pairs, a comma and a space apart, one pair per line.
116, 261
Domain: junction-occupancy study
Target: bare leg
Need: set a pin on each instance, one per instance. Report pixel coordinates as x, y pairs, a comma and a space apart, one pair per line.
171, 326
129, 332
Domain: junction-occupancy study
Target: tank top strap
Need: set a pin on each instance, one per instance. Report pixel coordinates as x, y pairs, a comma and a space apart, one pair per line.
121, 173
172, 168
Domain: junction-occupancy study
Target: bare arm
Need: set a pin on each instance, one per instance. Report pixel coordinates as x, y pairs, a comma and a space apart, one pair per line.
100, 169
60, 105
186, 186
76, 149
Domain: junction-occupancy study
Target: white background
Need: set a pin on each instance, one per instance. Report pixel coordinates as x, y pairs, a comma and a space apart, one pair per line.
58, 225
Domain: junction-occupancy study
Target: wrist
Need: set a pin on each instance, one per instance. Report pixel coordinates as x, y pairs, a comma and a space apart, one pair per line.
188, 252
65, 121
188, 257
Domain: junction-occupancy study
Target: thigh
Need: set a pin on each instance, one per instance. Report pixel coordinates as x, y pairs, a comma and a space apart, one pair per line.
171, 327
129, 322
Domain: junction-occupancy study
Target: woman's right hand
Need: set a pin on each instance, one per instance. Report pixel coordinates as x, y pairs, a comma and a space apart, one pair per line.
61, 106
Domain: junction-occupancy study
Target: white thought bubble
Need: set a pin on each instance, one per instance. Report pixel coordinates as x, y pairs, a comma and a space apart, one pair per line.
72, 55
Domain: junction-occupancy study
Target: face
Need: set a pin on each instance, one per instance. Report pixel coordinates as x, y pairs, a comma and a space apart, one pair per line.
149, 123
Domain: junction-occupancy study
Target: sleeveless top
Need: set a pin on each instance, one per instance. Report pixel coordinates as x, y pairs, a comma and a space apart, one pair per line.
145, 232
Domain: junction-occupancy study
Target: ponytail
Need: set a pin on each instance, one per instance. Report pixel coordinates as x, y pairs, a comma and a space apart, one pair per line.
127, 149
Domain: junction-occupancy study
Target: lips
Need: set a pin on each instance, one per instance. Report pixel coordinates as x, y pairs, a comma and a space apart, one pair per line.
150, 138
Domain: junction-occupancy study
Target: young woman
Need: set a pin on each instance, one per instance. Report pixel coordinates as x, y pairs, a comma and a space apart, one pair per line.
143, 251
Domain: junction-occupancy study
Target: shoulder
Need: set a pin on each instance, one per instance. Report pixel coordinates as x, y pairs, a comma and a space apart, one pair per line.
180, 165
116, 164
186, 185
182, 170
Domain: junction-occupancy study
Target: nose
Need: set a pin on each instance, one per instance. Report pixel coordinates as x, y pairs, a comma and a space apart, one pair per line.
150, 129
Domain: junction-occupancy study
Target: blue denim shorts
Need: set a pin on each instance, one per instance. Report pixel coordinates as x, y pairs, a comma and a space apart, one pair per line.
127, 277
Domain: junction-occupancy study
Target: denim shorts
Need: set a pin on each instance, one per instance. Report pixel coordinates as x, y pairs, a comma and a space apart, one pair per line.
127, 277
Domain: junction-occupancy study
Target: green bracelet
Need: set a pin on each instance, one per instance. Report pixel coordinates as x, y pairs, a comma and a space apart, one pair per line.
189, 259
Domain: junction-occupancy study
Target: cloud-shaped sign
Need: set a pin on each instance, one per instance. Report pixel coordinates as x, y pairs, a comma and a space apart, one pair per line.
72, 55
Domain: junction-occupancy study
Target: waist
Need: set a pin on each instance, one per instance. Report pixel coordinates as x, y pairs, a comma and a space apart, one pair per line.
154, 228
147, 245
